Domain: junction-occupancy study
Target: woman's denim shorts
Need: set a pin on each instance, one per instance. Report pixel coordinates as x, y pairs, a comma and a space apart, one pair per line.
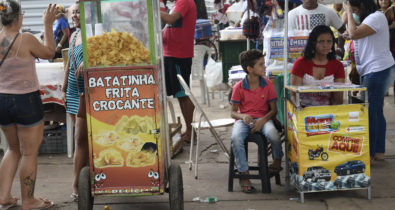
21, 109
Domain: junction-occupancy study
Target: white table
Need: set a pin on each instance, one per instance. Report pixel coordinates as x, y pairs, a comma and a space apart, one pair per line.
51, 76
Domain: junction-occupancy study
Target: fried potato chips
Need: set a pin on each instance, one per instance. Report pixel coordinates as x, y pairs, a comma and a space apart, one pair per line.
116, 48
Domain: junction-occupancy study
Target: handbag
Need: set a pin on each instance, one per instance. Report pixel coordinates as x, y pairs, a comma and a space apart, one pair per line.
251, 27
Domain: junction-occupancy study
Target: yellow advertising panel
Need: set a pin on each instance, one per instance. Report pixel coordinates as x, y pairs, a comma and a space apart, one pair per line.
328, 147
123, 125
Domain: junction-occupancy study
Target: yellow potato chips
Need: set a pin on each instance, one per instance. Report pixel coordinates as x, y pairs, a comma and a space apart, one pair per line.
116, 48
108, 158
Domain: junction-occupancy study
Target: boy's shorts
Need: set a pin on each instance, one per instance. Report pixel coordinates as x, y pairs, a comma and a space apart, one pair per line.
22, 109
174, 66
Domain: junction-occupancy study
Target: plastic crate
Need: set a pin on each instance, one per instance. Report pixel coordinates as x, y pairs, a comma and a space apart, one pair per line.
203, 29
54, 142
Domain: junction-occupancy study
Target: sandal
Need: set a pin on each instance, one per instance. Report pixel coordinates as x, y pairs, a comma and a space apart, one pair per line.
44, 205
74, 197
247, 188
9, 205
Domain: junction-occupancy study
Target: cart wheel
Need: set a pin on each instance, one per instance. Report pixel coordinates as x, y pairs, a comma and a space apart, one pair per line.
324, 156
85, 199
176, 191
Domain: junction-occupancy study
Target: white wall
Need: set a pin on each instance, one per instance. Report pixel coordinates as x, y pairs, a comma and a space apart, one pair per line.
34, 11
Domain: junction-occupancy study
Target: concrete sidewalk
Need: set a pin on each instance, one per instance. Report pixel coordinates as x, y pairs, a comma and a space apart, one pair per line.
55, 177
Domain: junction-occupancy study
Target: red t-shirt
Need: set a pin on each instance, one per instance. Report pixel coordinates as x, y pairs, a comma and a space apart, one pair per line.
253, 102
304, 66
178, 38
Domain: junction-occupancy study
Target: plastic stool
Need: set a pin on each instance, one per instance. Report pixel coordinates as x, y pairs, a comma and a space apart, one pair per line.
262, 167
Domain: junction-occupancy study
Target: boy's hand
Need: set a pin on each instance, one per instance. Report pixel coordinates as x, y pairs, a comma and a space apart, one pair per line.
258, 125
247, 119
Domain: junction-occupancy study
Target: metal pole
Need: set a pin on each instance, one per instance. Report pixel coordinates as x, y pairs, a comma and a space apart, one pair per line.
287, 178
248, 17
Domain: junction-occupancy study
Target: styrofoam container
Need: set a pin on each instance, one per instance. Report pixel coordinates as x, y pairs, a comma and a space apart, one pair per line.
231, 33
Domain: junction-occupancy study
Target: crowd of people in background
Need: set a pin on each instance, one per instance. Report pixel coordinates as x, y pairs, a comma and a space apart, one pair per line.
367, 25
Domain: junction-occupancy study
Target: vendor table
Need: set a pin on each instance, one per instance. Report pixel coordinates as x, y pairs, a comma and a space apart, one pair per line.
51, 76
327, 146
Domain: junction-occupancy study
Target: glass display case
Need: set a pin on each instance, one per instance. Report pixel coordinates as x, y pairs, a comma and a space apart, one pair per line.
125, 97
120, 33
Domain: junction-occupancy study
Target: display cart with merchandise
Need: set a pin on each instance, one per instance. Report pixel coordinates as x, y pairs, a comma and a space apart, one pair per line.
125, 100
328, 146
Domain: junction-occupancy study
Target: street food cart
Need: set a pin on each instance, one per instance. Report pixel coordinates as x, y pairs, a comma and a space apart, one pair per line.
125, 103
327, 146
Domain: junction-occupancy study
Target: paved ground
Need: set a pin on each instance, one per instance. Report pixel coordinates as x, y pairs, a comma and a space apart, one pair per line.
55, 177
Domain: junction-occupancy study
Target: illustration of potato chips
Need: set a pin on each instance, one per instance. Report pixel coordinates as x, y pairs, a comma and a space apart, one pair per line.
108, 158
130, 143
140, 159
106, 138
116, 48
134, 125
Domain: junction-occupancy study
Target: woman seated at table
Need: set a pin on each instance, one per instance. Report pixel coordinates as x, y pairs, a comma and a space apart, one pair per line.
318, 66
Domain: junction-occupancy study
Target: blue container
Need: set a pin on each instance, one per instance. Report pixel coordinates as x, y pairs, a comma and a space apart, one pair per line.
203, 29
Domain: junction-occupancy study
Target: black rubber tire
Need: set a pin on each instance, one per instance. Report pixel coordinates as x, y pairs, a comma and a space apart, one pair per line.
85, 198
176, 190
324, 156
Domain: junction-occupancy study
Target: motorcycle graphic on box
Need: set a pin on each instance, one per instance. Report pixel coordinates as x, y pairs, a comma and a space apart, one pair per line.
318, 152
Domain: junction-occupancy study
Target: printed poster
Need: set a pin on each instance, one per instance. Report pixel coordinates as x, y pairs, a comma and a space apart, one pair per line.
123, 126
328, 147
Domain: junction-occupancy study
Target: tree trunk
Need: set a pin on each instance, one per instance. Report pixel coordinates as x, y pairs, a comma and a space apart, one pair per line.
201, 9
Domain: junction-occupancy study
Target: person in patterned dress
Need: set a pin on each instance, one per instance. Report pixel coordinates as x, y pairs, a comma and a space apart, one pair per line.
73, 87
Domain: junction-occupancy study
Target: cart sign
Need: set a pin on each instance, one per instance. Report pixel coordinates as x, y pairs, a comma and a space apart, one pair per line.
123, 125
328, 147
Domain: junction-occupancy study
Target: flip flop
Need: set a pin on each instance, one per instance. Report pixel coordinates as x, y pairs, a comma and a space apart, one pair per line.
45, 205
9, 205
250, 188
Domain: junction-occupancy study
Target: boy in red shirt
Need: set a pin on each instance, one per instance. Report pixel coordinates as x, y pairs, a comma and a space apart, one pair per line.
253, 106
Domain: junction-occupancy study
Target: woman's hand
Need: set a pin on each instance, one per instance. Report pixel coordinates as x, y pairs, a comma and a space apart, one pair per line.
347, 7
79, 70
64, 98
58, 49
49, 15
345, 35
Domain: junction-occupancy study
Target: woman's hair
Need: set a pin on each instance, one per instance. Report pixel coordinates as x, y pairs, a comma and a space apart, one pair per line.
369, 7
309, 50
378, 4
9, 11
